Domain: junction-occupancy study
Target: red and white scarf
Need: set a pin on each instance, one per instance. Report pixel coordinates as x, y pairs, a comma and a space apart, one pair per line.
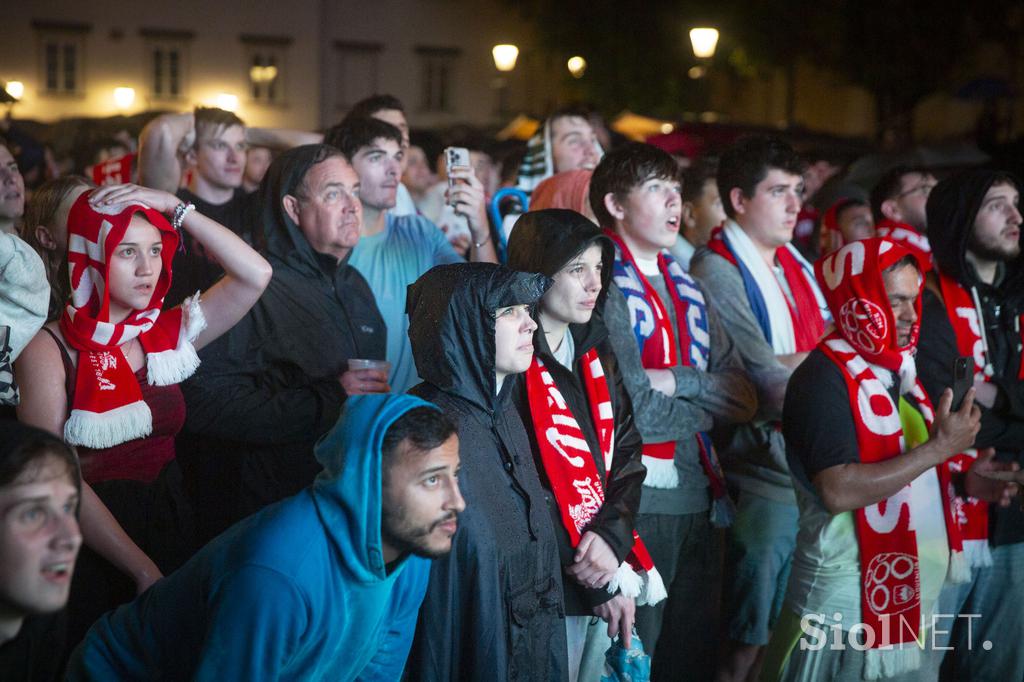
108, 408
863, 346
965, 316
113, 171
907, 237
789, 326
572, 471
659, 349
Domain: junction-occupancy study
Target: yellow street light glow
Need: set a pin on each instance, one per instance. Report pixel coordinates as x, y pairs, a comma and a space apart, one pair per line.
227, 101
15, 89
124, 97
505, 57
577, 65
262, 74
667, 128
704, 41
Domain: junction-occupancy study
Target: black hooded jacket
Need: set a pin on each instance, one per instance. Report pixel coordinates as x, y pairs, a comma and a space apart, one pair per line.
952, 208
544, 242
267, 389
493, 608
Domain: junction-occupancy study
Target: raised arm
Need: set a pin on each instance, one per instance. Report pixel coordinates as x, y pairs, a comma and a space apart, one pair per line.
160, 146
44, 404
246, 273
846, 487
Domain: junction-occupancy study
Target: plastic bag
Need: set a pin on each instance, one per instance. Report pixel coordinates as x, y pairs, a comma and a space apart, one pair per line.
626, 665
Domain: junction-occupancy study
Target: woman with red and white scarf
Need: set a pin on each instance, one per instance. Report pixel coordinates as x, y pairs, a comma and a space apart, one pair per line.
579, 419
105, 375
880, 533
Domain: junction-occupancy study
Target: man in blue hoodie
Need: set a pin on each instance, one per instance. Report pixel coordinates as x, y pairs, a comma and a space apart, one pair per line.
323, 585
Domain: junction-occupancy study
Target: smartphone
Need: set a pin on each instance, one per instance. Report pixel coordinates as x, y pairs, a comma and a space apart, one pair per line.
455, 156
963, 379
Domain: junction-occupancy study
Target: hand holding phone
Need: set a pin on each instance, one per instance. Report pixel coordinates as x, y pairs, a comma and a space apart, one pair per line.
454, 156
963, 379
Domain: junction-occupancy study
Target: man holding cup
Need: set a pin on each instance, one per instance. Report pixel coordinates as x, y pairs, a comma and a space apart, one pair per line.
269, 388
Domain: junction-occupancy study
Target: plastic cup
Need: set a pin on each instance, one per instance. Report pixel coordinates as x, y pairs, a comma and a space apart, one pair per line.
362, 363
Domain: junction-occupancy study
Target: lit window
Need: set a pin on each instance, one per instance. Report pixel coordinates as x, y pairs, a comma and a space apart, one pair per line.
266, 67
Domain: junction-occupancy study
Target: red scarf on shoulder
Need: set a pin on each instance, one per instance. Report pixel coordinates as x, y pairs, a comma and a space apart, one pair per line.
572, 471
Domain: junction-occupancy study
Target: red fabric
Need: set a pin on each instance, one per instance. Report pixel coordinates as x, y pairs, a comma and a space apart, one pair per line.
563, 190
104, 381
866, 333
116, 171
140, 459
908, 237
966, 322
807, 323
567, 459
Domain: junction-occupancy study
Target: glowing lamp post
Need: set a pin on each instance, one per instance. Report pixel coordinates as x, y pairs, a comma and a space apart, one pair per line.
577, 66
124, 98
505, 57
227, 101
704, 41
15, 89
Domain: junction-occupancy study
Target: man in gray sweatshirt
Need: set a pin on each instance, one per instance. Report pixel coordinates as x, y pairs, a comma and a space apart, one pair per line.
766, 295
684, 376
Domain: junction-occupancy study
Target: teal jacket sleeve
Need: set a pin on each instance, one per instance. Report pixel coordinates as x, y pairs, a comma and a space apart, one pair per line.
257, 617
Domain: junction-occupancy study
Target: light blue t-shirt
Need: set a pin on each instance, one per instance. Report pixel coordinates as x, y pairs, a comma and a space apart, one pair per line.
390, 261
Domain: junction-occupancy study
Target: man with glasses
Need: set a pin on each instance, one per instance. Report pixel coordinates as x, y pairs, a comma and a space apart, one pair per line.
898, 201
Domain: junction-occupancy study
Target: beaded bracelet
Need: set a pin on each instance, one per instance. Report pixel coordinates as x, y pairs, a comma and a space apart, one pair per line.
180, 211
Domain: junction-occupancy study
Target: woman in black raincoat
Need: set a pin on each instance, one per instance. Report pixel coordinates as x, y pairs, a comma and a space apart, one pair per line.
493, 609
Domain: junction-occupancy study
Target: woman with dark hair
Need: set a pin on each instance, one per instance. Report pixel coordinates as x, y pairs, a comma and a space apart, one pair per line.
105, 376
580, 421
493, 608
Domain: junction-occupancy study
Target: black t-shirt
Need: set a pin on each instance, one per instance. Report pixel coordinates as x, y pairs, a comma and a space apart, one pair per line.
817, 420
34, 655
192, 270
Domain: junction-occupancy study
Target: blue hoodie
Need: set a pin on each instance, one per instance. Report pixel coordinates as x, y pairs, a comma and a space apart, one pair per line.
297, 592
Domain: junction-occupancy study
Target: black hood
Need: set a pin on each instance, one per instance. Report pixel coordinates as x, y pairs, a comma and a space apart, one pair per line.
545, 241
451, 324
952, 208
285, 241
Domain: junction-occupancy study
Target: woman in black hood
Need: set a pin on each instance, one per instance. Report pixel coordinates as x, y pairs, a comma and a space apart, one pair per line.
493, 609
569, 248
266, 390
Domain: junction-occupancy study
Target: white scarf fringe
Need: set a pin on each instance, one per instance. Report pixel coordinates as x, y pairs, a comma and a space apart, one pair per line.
107, 429
647, 588
890, 662
174, 366
661, 473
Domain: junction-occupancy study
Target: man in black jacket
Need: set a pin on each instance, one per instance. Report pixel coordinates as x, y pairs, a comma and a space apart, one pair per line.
493, 608
266, 390
974, 307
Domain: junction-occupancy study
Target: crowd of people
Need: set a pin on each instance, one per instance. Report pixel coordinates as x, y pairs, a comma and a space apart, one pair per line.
298, 405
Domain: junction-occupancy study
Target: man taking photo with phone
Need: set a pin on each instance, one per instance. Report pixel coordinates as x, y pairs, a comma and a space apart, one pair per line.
973, 307
881, 533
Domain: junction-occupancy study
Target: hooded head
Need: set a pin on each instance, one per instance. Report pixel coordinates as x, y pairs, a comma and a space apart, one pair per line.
286, 241
953, 208
570, 189
348, 492
546, 241
853, 280
451, 324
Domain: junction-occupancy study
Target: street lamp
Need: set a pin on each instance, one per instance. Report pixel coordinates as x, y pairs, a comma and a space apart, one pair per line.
227, 101
704, 41
15, 89
505, 57
577, 65
124, 97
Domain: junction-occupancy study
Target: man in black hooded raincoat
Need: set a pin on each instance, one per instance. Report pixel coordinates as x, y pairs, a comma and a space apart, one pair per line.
974, 225
493, 609
269, 388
